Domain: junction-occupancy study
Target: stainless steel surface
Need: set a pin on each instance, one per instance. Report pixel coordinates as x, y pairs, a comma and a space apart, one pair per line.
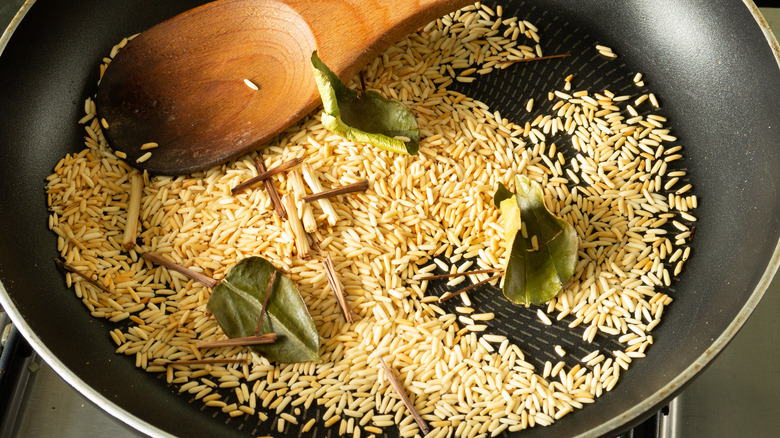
52, 408
736, 396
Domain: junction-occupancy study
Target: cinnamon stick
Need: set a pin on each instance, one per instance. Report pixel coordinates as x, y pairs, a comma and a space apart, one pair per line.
89, 279
203, 361
266, 338
192, 275
265, 302
504, 64
359, 186
266, 174
459, 274
272, 193
338, 291
448, 296
405, 398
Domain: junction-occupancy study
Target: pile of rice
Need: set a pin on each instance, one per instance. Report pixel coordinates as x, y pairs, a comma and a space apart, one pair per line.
632, 215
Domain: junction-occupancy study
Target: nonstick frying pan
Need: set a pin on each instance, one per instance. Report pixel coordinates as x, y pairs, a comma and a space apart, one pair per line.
713, 63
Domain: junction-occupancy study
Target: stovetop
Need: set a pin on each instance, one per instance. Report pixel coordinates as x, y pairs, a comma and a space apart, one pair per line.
736, 396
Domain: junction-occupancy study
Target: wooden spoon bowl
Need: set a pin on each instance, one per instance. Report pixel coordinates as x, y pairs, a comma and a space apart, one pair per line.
222, 79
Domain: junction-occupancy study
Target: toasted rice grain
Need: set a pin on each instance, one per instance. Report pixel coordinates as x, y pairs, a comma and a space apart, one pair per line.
612, 190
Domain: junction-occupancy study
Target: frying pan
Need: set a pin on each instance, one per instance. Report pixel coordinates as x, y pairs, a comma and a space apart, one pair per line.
713, 64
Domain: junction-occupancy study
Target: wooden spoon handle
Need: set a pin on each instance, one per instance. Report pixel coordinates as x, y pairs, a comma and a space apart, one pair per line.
224, 78
350, 33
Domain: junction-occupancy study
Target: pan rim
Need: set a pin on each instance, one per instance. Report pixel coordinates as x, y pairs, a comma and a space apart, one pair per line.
9, 30
613, 425
771, 38
71, 378
40, 348
704, 360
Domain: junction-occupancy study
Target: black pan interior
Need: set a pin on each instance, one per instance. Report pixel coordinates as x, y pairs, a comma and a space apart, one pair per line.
707, 61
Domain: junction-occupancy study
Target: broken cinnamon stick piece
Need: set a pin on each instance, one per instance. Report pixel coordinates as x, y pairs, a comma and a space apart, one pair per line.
266, 338
316, 187
202, 361
266, 174
272, 193
192, 275
505, 64
338, 290
460, 274
405, 398
301, 242
265, 302
83, 275
359, 186
133, 208
448, 295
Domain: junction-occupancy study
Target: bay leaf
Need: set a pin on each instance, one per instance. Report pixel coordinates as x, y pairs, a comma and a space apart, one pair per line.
534, 273
237, 301
367, 116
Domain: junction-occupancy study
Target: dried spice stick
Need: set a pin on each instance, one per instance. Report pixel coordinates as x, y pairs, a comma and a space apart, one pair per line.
197, 276
360, 186
405, 398
265, 302
83, 275
267, 338
133, 208
448, 295
460, 274
338, 291
316, 187
272, 193
202, 361
301, 242
267, 174
505, 64
307, 215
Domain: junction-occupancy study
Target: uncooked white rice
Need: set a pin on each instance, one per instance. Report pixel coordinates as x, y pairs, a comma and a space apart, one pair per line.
465, 380
143, 157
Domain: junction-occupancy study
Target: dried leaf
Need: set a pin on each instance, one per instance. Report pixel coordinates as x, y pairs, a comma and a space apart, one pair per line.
366, 117
237, 303
543, 248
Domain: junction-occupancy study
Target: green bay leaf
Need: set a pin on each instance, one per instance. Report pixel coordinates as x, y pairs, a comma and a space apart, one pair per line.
535, 273
365, 117
502, 194
237, 301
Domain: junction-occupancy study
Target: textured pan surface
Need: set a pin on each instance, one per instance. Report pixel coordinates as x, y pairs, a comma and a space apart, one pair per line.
707, 61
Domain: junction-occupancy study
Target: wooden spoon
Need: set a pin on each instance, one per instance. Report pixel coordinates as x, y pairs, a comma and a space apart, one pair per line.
188, 84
